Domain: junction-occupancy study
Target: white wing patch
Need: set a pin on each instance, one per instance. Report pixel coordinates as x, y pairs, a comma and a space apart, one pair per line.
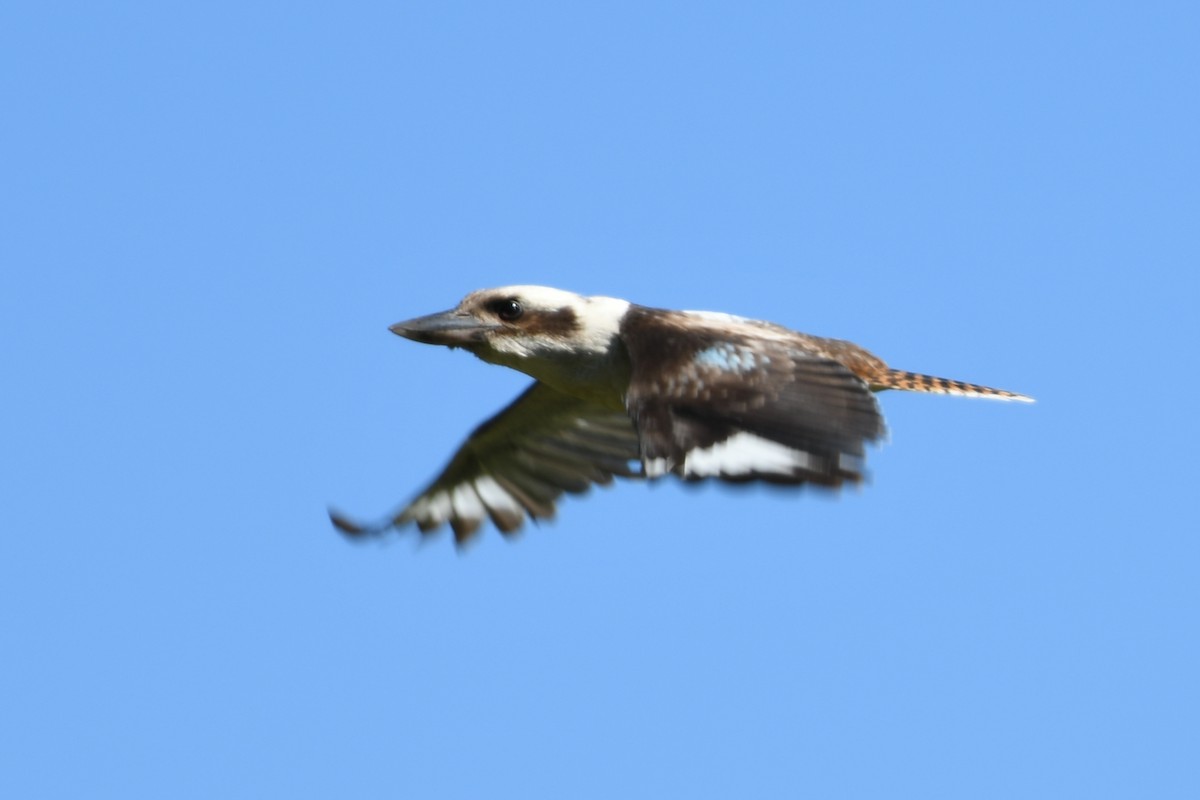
745, 454
494, 496
657, 467
465, 502
432, 509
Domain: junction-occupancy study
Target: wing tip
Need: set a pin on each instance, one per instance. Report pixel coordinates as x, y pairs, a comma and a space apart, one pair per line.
357, 531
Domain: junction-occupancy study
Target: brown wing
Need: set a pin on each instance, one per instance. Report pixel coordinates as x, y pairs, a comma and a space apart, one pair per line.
737, 400
517, 464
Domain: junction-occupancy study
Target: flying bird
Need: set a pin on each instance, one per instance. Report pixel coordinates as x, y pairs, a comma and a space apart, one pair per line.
623, 390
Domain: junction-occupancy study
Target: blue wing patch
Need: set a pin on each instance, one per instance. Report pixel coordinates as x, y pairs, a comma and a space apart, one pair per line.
731, 358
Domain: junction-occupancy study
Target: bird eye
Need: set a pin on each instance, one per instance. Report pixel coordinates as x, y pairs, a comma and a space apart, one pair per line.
508, 310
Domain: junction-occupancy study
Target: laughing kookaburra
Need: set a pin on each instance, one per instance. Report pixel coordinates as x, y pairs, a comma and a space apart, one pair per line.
636, 392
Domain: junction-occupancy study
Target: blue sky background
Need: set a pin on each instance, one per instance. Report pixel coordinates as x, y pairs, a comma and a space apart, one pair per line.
211, 212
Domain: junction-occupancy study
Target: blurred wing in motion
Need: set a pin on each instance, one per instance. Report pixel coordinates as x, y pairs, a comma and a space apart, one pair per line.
517, 464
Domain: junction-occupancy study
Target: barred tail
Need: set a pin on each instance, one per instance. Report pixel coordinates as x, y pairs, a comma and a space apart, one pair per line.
914, 382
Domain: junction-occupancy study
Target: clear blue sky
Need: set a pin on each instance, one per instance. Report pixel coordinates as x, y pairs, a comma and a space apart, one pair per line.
211, 212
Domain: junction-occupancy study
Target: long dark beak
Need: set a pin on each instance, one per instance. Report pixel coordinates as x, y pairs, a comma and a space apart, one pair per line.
451, 328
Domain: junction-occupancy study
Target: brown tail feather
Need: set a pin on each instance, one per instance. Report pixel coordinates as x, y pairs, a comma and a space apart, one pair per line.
915, 382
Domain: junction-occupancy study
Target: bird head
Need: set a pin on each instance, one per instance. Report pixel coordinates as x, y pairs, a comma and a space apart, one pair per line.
550, 334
